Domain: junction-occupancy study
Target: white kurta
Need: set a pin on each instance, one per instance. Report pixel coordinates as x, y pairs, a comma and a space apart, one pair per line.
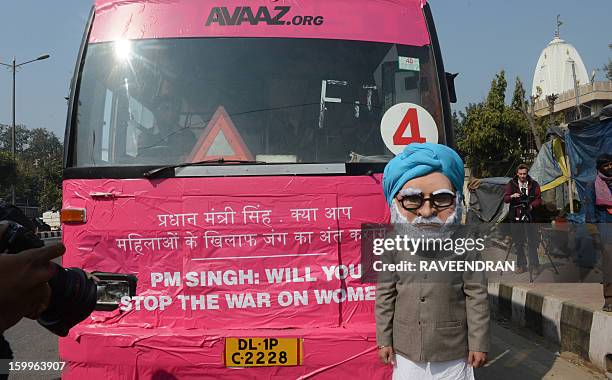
406, 369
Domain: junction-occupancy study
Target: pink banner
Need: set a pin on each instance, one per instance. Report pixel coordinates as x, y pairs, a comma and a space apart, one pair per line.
391, 21
225, 257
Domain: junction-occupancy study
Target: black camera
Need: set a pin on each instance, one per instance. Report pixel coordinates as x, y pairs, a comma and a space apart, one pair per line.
74, 294
523, 214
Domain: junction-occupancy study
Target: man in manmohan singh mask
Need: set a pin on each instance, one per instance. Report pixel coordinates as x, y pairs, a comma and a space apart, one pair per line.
430, 330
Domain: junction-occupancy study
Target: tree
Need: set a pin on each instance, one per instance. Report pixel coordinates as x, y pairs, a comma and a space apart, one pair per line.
37, 172
44, 168
492, 135
8, 170
608, 67
21, 133
519, 103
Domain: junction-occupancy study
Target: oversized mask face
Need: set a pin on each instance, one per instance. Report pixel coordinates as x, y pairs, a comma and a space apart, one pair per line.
427, 200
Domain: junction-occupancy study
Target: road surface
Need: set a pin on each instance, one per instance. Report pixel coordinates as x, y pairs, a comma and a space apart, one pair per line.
514, 356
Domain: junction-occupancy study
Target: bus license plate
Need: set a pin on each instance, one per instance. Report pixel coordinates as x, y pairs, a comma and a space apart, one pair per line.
263, 352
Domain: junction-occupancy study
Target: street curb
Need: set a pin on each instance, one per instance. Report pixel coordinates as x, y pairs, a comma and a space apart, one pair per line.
573, 328
49, 234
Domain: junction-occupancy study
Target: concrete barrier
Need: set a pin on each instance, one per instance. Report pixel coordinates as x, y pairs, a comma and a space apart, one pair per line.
49, 234
573, 328
551, 319
600, 352
518, 306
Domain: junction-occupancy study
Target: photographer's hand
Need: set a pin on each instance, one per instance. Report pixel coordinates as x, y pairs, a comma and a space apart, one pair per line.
515, 195
24, 290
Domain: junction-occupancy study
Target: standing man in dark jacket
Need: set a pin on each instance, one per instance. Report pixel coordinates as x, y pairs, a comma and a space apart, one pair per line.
523, 194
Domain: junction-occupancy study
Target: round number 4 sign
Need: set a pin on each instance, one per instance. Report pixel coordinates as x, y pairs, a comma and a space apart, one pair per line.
407, 123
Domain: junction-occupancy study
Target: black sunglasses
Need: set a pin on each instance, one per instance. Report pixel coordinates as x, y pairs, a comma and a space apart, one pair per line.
415, 201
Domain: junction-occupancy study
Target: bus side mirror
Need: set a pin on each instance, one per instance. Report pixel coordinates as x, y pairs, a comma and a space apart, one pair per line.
450, 83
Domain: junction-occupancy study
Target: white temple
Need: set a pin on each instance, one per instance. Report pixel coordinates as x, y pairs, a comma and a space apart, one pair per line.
553, 73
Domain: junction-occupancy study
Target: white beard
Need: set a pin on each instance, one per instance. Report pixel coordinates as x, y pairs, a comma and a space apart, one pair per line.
396, 215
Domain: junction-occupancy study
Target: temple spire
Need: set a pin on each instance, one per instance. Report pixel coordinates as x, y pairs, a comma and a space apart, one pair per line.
559, 23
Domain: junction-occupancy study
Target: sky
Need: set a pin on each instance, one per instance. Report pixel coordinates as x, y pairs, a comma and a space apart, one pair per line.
478, 39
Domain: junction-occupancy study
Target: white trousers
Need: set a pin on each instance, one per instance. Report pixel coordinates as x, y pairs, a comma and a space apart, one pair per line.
406, 369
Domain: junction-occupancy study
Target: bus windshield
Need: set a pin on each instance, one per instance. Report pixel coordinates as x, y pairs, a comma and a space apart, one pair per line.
175, 100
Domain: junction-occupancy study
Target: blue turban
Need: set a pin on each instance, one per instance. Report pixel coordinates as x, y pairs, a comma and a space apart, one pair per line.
418, 160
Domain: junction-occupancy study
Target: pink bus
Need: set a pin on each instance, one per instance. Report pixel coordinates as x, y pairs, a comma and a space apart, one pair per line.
227, 153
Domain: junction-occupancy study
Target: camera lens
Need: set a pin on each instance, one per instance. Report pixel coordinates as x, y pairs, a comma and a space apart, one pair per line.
73, 298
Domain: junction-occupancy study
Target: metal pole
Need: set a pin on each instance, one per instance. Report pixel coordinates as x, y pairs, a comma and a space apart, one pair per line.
570, 183
551, 99
529, 113
576, 89
14, 136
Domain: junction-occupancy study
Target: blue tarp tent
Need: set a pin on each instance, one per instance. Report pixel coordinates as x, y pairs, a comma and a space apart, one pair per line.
583, 142
586, 139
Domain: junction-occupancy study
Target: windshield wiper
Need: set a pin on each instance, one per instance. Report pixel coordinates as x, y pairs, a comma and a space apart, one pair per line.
221, 161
